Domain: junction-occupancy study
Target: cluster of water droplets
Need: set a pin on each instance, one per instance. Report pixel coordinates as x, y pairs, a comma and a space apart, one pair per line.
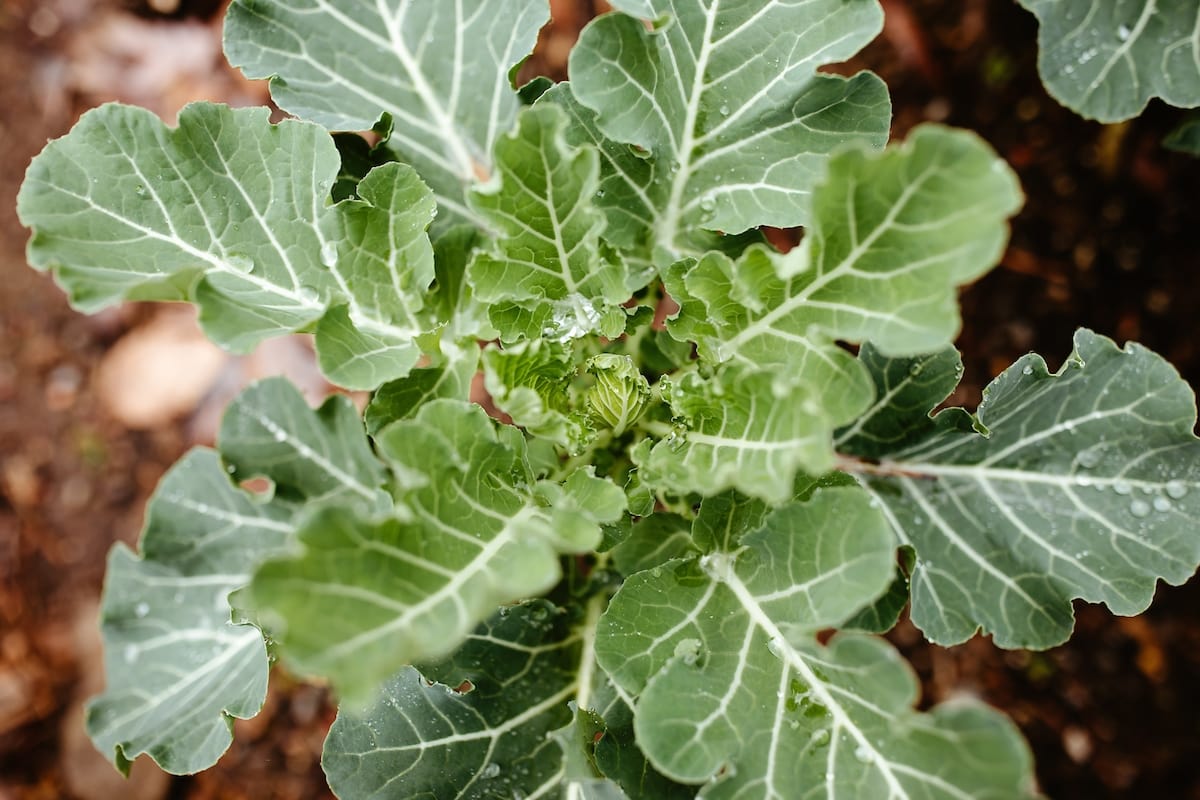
1145, 498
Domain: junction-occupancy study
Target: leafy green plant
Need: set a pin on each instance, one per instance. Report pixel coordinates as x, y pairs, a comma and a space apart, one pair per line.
1106, 59
623, 582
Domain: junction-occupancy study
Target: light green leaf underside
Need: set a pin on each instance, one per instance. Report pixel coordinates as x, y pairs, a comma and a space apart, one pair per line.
744, 429
892, 237
472, 530
725, 98
548, 274
1087, 485
731, 685
441, 70
177, 669
1106, 59
232, 213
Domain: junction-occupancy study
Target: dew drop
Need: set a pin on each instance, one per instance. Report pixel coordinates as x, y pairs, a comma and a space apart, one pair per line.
1122, 487
724, 110
1027, 370
240, 264
1123, 32
490, 771
864, 755
309, 295
820, 738
1176, 489
279, 435
1139, 508
1162, 504
914, 369
776, 647
1089, 458
142, 609
329, 254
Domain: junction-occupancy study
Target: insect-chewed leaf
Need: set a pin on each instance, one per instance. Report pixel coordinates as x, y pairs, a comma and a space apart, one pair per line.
732, 687
1107, 59
725, 100
440, 70
1081, 484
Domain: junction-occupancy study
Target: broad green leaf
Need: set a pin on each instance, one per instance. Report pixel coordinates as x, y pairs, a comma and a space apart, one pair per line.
379, 255
472, 530
232, 213
480, 730
497, 718
1106, 59
440, 70
318, 456
1080, 484
529, 381
742, 429
177, 669
548, 274
893, 234
733, 688
725, 100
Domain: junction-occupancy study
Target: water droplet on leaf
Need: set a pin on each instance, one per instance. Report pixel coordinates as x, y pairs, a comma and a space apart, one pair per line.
1176, 489
1139, 508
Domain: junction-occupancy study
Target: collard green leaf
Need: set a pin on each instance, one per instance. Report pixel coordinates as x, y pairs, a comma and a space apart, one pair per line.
548, 275
725, 99
1106, 59
732, 688
743, 429
508, 714
472, 530
231, 212
441, 70
317, 456
1081, 484
178, 670
379, 255
892, 236
480, 730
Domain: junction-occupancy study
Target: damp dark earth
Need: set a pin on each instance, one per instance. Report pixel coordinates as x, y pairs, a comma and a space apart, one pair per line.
94, 409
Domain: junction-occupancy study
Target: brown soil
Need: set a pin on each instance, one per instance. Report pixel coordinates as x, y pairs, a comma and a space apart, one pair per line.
1106, 241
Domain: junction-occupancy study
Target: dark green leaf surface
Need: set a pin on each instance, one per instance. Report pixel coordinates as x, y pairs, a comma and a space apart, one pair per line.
1086, 485
1107, 58
731, 686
